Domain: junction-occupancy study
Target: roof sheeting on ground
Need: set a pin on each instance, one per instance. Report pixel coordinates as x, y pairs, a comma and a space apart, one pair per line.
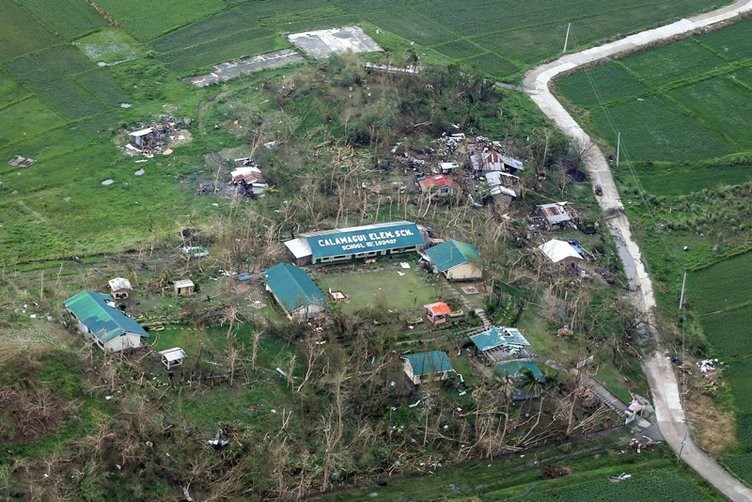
452, 253
515, 369
556, 250
102, 319
497, 336
292, 287
247, 174
427, 363
354, 240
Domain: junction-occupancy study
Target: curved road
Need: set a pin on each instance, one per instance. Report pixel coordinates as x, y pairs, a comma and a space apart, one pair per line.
663, 385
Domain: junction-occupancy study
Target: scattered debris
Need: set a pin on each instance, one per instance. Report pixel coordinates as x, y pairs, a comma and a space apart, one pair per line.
707, 366
140, 172
108, 182
20, 161
621, 477
220, 440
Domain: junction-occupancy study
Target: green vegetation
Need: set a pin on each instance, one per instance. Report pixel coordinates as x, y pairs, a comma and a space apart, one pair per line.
530, 477
685, 181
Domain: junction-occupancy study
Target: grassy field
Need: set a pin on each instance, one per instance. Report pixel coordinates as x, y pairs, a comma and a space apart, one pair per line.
390, 286
718, 297
654, 474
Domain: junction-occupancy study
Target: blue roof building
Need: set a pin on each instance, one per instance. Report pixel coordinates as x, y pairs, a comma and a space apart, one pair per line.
343, 244
426, 366
457, 260
498, 343
105, 324
295, 291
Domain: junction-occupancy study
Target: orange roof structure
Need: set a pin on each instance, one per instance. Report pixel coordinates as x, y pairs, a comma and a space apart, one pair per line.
437, 181
438, 308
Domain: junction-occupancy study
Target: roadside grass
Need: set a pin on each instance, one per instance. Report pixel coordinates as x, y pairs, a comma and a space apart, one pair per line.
390, 286
654, 473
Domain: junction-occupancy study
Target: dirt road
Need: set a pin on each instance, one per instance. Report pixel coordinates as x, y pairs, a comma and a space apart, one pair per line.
663, 385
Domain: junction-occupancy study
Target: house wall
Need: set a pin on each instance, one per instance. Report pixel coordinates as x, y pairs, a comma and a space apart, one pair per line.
126, 341
464, 272
408, 368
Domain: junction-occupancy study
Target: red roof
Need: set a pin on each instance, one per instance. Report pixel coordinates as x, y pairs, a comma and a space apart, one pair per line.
438, 308
437, 181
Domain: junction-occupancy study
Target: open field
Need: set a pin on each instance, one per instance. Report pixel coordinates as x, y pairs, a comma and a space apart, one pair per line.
718, 296
390, 286
675, 103
654, 474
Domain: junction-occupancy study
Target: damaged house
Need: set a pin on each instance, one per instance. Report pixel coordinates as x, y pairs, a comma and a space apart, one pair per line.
492, 159
107, 326
555, 216
440, 185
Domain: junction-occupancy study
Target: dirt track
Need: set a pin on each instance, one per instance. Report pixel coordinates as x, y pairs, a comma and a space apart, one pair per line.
663, 385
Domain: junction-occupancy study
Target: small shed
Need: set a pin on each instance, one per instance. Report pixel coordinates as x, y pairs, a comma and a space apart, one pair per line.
120, 288
437, 313
173, 357
446, 168
427, 366
184, 287
457, 260
560, 251
555, 215
141, 138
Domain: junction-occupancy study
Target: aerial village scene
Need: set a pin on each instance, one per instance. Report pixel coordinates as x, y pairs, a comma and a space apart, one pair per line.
345, 263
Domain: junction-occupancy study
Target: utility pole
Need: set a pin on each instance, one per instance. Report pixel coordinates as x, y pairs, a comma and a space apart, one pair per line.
566, 38
618, 147
681, 450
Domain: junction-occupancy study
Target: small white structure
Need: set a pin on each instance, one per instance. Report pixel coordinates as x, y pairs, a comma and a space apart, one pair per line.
173, 357
120, 288
559, 251
139, 138
184, 287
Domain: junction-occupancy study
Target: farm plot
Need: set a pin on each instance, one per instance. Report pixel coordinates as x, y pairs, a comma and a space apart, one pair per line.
20, 33
653, 129
672, 180
613, 83
68, 19
26, 118
732, 42
719, 296
108, 46
705, 98
674, 62
147, 19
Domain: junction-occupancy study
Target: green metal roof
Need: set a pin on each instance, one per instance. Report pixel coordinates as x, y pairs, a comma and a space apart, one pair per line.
514, 369
452, 253
104, 321
292, 287
426, 363
497, 336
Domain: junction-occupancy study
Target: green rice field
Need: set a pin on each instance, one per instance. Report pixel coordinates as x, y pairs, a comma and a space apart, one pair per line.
683, 102
719, 297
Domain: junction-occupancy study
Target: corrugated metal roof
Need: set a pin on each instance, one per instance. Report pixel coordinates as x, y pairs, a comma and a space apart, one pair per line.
299, 247
452, 253
437, 181
426, 363
497, 336
104, 321
292, 287
438, 308
364, 239
554, 213
557, 250
514, 369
